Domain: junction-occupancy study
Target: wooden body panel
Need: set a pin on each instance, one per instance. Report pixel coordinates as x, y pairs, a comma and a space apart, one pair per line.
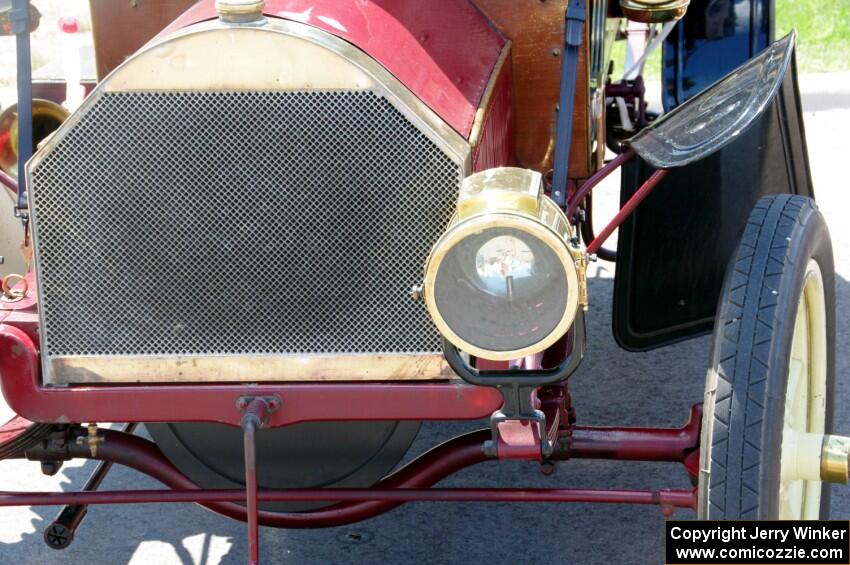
536, 31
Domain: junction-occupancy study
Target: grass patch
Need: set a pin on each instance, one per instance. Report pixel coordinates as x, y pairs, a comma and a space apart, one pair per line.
823, 37
823, 32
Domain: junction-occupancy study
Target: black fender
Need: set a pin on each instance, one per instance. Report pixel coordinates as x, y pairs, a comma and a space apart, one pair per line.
673, 251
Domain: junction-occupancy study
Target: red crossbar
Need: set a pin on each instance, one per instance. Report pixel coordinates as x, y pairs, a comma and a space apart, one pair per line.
678, 498
627, 209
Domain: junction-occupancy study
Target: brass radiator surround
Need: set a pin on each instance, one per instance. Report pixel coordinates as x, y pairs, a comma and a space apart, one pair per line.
168, 277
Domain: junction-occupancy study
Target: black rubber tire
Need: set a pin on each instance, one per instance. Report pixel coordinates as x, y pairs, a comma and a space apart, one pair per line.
747, 378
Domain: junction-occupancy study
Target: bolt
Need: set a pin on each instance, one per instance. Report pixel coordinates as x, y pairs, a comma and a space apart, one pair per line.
547, 468
55, 443
50, 468
57, 536
416, 292
556, 52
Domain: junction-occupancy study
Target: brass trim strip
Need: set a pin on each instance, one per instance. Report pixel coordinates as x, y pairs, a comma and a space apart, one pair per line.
245, 368
485, 105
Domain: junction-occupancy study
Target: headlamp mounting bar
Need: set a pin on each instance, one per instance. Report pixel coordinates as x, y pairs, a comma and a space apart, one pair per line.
575, 16
21, 27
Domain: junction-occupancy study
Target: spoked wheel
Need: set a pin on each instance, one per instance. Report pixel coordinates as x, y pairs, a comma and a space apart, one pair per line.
769, 390
310, 455
805, 398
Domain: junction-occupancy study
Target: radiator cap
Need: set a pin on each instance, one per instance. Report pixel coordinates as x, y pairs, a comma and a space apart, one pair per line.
240, 11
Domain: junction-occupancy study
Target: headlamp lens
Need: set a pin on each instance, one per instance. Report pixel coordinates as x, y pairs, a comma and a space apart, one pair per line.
501, 289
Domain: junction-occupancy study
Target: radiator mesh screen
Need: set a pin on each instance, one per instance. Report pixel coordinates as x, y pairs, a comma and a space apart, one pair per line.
194, 223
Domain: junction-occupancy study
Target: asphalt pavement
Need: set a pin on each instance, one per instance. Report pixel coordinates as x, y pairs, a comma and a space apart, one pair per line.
611, 387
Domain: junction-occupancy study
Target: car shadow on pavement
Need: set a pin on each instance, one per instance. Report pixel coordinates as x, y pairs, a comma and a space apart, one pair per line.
146, 533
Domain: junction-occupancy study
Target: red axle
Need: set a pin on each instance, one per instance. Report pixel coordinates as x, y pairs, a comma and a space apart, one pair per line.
638, 444
428, 469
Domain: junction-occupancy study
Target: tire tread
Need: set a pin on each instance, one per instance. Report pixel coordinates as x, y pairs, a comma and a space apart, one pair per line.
742, 353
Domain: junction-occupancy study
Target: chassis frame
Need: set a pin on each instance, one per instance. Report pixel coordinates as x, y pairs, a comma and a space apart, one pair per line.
539, 426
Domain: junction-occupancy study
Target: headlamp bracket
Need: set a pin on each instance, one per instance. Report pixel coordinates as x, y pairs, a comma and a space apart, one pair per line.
517, 422
519, 417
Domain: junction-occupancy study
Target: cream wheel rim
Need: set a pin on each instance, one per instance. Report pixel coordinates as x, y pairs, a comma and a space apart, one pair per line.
805, 396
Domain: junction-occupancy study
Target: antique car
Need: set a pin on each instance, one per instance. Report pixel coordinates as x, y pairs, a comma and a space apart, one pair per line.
283, 234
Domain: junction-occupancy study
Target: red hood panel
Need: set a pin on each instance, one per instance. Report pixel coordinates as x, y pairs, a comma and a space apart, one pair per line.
443, 51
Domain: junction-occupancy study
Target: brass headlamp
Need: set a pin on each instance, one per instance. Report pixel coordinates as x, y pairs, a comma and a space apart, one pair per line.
505, 280
46, 117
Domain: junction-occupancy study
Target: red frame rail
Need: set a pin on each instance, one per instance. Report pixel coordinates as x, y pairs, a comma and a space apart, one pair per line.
303, 402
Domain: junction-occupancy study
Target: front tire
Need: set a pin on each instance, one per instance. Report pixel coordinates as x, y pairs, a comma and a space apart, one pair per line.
772, 368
